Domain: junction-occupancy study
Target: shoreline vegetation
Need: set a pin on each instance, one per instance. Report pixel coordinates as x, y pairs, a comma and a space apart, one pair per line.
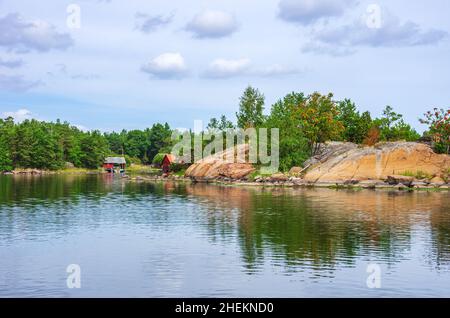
305, 123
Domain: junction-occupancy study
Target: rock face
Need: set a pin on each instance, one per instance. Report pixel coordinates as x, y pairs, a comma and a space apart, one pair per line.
344, 161
217, 166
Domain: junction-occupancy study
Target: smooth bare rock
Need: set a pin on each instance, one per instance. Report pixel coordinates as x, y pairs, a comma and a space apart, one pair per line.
235, 170
295, 171
222, 164
278, 177
344, 161
437, 180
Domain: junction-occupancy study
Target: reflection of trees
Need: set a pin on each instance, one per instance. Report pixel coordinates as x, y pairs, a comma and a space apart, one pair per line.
440, 234
321, 226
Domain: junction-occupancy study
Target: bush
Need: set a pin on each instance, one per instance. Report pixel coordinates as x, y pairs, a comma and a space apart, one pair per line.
177, 167
157, 160
419, 174
132, 160
373, 136
439, 128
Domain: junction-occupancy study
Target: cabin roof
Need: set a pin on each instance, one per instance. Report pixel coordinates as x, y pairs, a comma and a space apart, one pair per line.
115, 160
170, 157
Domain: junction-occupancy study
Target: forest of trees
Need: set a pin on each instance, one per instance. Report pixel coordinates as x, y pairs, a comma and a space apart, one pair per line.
43, 145
304, 121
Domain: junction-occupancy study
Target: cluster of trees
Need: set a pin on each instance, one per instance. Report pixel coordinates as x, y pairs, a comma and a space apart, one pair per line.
304, 122
141, 146
44, 145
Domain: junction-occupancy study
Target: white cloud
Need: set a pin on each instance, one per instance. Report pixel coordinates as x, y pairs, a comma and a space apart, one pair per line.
392, 32
227, 68
16, 83
223, 68
310, 11
19, 35
166, 66
212, 24
19, 115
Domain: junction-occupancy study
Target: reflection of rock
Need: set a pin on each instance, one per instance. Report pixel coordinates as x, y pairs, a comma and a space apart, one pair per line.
217, 165
340, 163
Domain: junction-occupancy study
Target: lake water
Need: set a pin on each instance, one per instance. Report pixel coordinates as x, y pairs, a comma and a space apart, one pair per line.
182, 240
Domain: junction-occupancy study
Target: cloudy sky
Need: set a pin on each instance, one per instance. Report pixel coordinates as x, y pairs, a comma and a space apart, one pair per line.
110, 64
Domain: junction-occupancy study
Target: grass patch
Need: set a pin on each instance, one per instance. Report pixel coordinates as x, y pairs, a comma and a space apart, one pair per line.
78, 170
257, 173
419, 174
144, 169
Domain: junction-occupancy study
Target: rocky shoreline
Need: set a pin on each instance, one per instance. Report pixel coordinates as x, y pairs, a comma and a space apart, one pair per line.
393, 183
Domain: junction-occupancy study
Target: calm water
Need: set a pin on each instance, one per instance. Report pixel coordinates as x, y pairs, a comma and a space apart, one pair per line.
171, 240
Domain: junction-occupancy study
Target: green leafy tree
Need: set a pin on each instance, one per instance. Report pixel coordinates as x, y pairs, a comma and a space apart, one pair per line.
6, 130
222, 125
94, 148
159, 140
318, 120
438, 121
251, 108
293, 146
356, 125
393, 127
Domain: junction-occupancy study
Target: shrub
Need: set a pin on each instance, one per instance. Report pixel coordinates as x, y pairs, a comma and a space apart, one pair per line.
177, 167
419, 174
373, 136
157, 160
439, 128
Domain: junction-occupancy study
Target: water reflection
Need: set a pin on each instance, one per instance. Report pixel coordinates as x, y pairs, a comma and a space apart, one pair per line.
320, 230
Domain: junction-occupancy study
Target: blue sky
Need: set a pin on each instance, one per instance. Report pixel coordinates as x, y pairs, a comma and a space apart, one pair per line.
131, 64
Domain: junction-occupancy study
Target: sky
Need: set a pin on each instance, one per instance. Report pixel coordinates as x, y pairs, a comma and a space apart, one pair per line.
112, 65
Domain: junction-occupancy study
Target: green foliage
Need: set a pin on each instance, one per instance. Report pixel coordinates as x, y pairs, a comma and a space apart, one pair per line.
356, 125
393, 127
177, 167
44, 145
293, 146
438, 121
419, 174
251, 108
141, 144
222, 125
158, 158
6, 130
317, 116
94, 148
159, 140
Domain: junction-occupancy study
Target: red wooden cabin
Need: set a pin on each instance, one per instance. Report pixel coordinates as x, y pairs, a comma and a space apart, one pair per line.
166, 162
111, 164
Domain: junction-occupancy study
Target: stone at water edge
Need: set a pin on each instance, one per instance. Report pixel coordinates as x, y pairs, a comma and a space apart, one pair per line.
437, 180
294, 171
278, 177
397, 179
